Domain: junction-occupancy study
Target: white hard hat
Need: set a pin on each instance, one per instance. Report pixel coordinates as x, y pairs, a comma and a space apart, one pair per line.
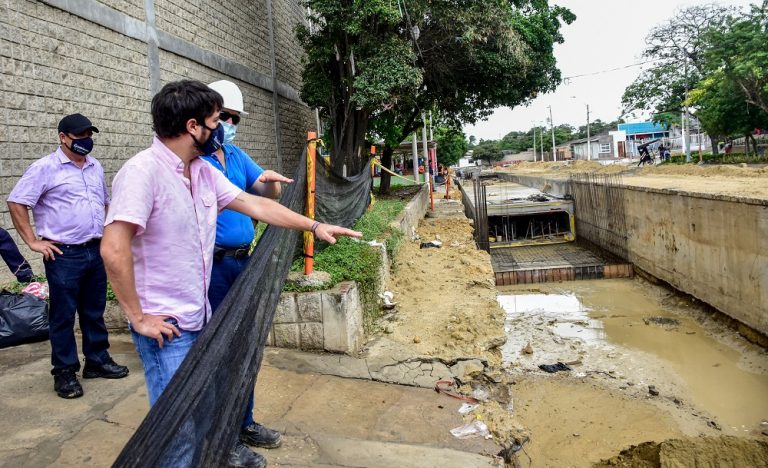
233, 98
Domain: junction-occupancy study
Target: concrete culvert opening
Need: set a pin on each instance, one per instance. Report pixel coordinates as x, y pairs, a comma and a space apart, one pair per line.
547, 226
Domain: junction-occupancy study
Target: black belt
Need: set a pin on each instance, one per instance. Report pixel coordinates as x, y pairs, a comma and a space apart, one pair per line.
237, 252
87, 243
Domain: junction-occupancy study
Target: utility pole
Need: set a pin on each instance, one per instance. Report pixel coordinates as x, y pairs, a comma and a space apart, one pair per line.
425, 152
541, 142
552, 127
534, 143
589, 142
415, 148
686, 143
431, 126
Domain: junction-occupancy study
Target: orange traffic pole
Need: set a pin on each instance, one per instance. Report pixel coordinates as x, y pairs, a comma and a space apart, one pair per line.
309, 237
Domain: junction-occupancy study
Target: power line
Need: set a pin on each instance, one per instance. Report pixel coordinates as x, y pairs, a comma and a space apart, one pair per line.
608, 70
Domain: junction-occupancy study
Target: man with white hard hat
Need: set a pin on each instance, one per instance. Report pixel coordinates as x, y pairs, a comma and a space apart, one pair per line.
235, 231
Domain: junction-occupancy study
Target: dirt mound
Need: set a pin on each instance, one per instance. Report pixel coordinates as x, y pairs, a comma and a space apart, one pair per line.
705, 171
447, 295
711, 452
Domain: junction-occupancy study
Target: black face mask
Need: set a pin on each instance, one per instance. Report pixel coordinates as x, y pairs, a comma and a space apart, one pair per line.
214, 141
81, 146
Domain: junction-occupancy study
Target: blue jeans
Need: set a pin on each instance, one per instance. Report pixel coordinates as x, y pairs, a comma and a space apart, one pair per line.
223, 276
159, 366
77, 282
161, 363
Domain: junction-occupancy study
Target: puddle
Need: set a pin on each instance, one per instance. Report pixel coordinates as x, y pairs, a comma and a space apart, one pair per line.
729, 383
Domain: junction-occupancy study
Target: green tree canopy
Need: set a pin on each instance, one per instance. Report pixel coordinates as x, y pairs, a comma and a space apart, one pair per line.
451, 145
391, 61
676, 50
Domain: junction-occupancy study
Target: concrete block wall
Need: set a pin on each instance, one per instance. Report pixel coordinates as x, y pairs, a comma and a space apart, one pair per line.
330, 320
107, 58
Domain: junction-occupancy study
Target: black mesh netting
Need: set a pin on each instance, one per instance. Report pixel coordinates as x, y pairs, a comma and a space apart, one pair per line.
196, 420
341, 200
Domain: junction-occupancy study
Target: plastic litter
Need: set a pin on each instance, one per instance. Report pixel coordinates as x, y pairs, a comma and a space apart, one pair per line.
471, 430
37, 289
431, 244
23, 319
386, 298
467, 408
552, 368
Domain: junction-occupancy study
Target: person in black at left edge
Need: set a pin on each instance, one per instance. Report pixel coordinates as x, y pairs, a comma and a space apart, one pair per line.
13, 258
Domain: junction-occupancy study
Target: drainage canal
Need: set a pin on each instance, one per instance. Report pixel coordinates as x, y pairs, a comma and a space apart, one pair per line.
640, 335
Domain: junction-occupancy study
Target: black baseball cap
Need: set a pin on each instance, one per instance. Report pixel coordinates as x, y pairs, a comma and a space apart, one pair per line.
76, 123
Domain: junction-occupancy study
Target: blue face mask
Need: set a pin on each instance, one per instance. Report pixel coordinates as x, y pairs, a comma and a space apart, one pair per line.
229, 132
81, 146
213, 142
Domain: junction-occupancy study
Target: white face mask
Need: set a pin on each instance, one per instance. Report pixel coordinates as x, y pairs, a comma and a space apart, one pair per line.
229, 132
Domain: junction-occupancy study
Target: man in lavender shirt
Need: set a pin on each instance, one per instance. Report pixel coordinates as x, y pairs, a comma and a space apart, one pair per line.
160, 231
68, 196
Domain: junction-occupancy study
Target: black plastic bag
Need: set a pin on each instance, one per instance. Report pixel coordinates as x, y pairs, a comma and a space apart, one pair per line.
23, 319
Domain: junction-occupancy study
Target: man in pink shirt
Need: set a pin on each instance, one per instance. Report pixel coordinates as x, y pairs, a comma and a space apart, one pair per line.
68, 196
160, 231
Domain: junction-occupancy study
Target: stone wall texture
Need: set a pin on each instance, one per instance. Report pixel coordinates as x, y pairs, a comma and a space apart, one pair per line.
106, 58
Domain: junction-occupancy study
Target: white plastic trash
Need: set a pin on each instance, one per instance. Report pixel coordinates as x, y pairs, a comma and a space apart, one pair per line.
471, 430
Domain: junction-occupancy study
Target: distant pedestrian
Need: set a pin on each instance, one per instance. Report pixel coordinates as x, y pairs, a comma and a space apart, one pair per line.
68, 196
645, 156
13, 258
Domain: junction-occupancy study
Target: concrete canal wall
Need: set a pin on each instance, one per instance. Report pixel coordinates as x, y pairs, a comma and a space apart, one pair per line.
712, 247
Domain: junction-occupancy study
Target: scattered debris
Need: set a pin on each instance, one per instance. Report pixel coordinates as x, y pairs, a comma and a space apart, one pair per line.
467, 408
435, 243
714, 425
509, 454
480, 394
663, 321
386, 298
652, 390
471, 430
552, 368
528, 349
446, 387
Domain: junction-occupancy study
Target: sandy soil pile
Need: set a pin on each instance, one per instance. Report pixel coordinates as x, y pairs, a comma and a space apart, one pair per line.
447, 295
712, 452
736, 181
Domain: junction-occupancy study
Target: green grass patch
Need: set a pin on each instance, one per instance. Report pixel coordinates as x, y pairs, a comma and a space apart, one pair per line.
349, 260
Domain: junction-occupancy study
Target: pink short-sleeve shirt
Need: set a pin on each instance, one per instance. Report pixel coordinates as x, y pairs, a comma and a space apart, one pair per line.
176, 230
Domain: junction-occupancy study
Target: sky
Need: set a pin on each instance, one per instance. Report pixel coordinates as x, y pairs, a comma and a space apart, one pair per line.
606, 35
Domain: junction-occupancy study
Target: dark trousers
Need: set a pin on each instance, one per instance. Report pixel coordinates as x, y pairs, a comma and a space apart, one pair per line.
77, 282
13, 258
223, 276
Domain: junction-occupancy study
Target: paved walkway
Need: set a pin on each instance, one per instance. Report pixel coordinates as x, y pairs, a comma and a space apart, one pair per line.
328, 421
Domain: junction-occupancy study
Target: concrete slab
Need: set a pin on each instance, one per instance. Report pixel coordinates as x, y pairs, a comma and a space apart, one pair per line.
328, 421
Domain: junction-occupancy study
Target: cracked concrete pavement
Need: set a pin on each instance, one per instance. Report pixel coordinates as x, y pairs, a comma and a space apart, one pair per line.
330, 411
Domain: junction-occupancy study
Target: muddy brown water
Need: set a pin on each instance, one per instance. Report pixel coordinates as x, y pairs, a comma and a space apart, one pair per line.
720, 373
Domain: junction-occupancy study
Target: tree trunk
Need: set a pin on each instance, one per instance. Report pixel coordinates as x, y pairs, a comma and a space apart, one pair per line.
386, 161
754, 144
713, 141
349, 140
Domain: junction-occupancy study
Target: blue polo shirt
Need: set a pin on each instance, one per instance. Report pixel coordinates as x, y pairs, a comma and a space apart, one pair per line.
232, 228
